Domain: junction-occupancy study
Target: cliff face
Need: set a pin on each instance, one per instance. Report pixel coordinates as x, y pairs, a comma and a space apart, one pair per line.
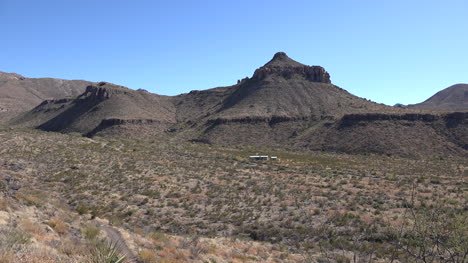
284, 66
104, 90
350, 120
95, 92
270, 120
451, 119
314, 73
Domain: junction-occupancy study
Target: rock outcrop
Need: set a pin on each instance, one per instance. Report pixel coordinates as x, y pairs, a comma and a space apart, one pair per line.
103, 91
283, 66
454, 117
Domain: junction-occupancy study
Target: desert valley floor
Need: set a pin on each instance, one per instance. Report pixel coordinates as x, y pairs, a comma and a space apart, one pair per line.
172, 201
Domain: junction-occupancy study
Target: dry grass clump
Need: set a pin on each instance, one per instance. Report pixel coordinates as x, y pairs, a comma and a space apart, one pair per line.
31, 199
148, 256
31, 227
32, 255
4, 205
12, 240
158, 236
90, 232
72, 247
7, 256
58, 225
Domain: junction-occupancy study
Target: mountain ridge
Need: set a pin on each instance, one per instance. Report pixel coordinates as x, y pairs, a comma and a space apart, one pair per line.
19, 94
284, 104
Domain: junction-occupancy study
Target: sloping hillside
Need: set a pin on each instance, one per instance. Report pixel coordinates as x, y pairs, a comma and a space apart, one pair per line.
280, 101
19, 94
393, 134
286, 88
453, 98
103, 104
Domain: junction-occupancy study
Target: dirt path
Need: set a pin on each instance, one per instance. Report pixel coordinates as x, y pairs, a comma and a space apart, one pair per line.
116, 237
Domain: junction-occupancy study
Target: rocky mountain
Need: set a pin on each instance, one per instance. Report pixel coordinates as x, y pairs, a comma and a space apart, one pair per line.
101, 106
281, 90
19, 94
285, 88
281, 100
285, 104
453, 98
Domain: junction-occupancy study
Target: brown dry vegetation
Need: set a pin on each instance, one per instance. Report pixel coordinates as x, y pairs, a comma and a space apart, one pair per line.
179, 202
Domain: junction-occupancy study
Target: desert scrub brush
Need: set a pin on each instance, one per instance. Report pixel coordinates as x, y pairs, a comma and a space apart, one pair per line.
107, 251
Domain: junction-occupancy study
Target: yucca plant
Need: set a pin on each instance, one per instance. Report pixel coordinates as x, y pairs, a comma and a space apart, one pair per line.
107, 251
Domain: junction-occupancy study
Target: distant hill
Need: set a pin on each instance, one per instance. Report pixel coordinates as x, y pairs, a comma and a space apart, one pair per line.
453, 98
19, 94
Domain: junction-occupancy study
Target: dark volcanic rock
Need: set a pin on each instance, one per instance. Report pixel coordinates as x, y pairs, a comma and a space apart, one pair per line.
283, 66
383, 116
454, 116
97, 92
314, 73
270, 120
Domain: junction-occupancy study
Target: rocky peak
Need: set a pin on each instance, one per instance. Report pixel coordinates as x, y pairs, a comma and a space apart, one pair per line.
281, 56
286, 67
282, 60
104, 90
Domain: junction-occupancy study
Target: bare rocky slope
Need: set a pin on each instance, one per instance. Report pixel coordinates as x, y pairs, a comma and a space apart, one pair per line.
284, 104
409, 134
282, 88
453, 98
19, 94
100, 106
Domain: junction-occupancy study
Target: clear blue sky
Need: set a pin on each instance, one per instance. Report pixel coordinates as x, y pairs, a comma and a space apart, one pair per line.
386, 51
